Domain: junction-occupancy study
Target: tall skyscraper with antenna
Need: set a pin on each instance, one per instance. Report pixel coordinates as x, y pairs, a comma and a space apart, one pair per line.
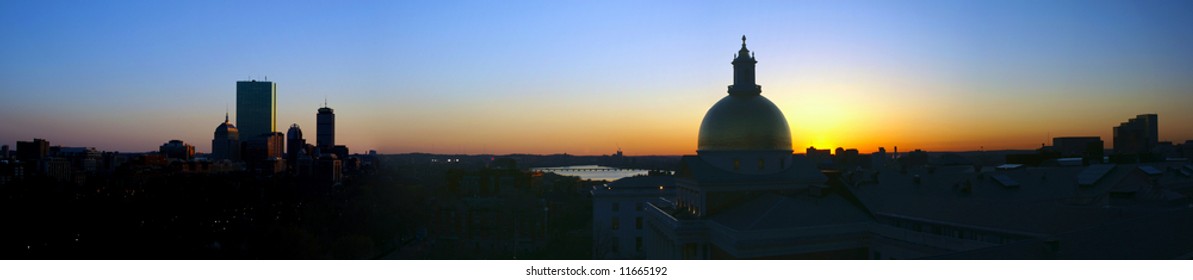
325, 130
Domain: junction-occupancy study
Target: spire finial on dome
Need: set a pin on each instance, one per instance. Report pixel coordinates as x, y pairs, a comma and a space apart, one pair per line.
743, 52
743, 72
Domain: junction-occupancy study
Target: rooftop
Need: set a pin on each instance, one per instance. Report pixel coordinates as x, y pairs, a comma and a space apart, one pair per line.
1048, 200
774, 211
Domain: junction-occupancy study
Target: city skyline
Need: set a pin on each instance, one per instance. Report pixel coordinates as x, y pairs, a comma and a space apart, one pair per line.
517, 78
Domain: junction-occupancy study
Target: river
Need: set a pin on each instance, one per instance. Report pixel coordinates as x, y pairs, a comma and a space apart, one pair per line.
593, 172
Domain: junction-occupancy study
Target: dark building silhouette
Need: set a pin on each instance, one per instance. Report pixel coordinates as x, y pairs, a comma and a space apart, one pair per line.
326, 129
818, 156
176, 149
10, 171
340, 151
846, 158
84, 159
1187, 149
265, 153
32, 150
1136, 136
304, 163
58, 168
1090, 148
225, 145
32, 154
1166, 149
256, 108
915, 158
328, 168
295, 145
879, 158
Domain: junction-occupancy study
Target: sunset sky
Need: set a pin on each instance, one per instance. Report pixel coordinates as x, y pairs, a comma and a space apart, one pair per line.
587, 77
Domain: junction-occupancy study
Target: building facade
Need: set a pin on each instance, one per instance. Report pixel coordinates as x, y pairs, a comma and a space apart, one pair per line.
256, 108
1089, 147
265, 154
619, 215
225, 144
176, 149
295, 146
32, 150
1136, 136
325, 131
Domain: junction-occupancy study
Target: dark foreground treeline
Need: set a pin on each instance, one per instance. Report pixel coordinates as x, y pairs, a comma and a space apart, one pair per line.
402, 210
228, 216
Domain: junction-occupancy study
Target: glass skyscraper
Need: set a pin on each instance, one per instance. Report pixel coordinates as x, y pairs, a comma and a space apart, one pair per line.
256, 108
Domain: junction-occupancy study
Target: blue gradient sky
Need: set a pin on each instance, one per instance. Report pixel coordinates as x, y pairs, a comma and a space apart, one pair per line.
585, 77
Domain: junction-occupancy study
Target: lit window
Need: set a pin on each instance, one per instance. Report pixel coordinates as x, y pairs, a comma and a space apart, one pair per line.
736, 164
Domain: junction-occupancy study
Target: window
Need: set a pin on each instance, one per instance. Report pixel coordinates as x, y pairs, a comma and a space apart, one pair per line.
638, 244
638, 223
782, 164
615, 224
761, 164
614, 245
639, 207
616, 206
736, 164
